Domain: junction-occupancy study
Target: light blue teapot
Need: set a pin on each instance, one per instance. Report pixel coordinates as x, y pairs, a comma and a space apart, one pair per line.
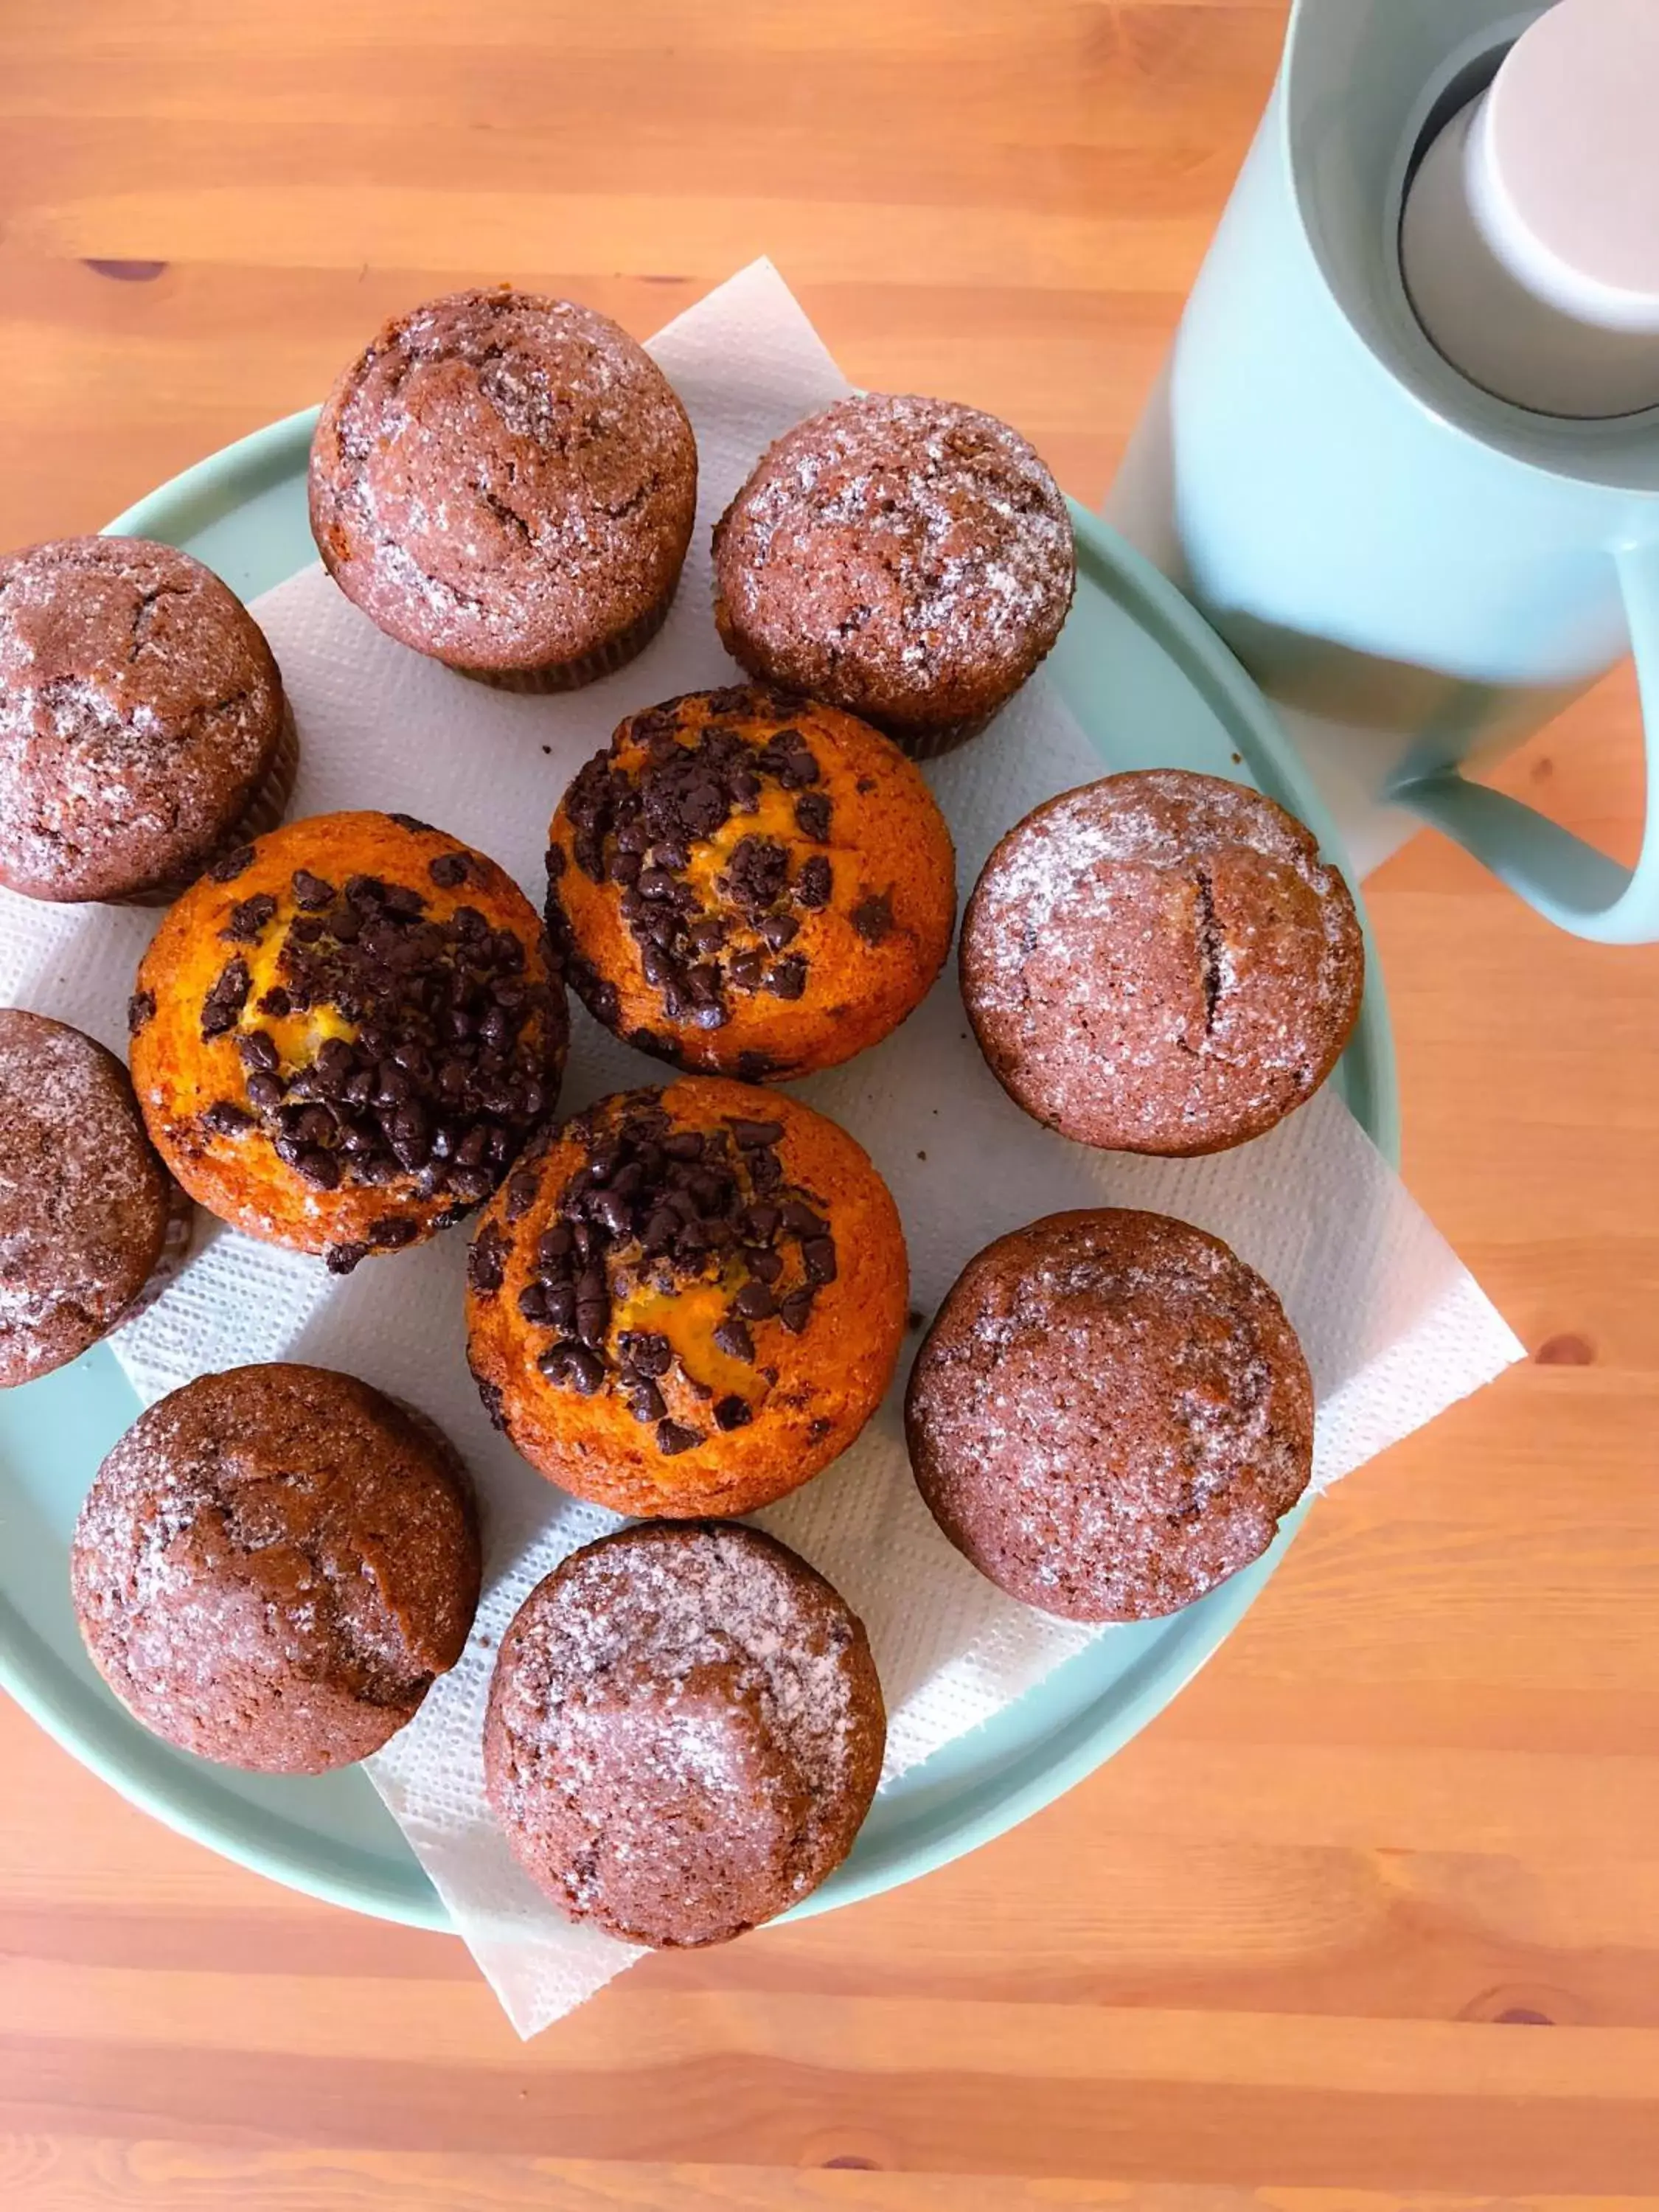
1428, 571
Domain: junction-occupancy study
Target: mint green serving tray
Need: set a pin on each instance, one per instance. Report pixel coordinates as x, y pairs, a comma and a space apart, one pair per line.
1153, 686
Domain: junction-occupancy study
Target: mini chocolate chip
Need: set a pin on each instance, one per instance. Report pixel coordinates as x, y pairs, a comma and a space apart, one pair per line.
733, 1338
674, 1437
584, 1368
747, 972
140, 1008
226, 1119
765, 1266
779, 930
312, 891
755, 1066
872, 917
814, 884
646, 1403
222, 1007
341, 1259
471, 1184
449, 871
229, 866
801, 1220
319, 1167
795, 1310
554, 1244
532, 1302
265, 1090
249, 918
556, 863
707, 936
788, 979
732, 1413
392, 1232
749, 1136
755, 1302
812, 816
818, 1258
683, 1145
490, 1394
410, 822
486, 1262
522, 1191
645, 1352
276, 1003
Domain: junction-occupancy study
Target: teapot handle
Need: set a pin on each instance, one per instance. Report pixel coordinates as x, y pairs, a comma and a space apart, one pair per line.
1569, 882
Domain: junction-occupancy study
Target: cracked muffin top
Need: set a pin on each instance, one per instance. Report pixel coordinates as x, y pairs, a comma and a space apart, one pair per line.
273, 1565
84, 1203
910, 560
504, 481
1161, 963
140, 711
1110, 1414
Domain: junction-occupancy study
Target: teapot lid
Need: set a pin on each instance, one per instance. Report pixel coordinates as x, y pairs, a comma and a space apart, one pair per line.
1366, 86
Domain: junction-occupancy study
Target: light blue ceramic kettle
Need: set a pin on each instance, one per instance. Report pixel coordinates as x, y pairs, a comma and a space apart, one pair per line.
1429, 570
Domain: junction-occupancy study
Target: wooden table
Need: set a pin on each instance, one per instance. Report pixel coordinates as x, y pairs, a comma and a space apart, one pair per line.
1374, 1907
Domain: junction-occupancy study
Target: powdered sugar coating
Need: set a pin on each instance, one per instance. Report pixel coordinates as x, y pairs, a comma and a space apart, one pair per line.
1110, 1414
908, 559
1160, 961
685, 1731
504, 480
272, 1564
140, 712
83, 1199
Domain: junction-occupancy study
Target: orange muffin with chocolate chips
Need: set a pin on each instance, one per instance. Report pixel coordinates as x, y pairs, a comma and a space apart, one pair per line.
751, 882
343, 1033
687, 1301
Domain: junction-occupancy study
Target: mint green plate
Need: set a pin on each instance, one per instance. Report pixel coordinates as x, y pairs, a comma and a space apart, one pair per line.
1152, 685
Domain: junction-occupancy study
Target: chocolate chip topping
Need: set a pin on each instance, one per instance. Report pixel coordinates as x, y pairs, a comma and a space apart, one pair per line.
653, 1209
141, 1010
640, 828
229, 866
445, 1071
872, 917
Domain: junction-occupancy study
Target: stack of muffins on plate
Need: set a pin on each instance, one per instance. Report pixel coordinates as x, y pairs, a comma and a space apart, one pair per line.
349, 1034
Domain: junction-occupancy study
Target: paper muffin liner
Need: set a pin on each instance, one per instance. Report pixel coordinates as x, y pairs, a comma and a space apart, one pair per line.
263, 811
176, 1245
586, 668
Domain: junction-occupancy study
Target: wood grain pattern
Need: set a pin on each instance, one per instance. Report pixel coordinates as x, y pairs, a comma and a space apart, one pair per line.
1369, 1918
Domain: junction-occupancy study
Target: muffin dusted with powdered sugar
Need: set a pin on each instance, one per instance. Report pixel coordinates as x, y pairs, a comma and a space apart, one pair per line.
908, 559
90, 1222
508, 482
143, 727
1161, 963
1110, 1414
685, 1732
273, 1565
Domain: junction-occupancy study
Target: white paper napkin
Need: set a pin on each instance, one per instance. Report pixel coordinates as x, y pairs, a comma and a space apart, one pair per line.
1394, 1328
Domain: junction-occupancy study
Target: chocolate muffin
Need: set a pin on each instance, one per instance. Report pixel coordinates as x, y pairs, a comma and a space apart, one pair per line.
273, 1566
508, 482
1109, 1414
749, 883
907, 559
342, 1035
91, 1224
1161, 963
685, 1733
142, 724
689, 1301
